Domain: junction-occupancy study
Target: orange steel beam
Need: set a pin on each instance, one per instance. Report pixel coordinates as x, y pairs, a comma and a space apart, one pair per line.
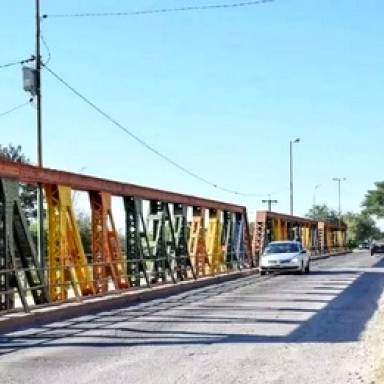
32, 175
106, 250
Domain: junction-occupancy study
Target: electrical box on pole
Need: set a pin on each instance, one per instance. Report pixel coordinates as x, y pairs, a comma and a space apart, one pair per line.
30, 80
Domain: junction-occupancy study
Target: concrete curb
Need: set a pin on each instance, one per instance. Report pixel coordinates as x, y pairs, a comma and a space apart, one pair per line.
328, 255
52, 313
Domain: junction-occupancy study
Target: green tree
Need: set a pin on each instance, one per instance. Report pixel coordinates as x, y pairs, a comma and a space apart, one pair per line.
323, 213
84, 224
28, 193
361, 227
374, 200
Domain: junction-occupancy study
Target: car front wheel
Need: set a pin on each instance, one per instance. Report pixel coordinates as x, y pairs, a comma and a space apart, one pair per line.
302, 269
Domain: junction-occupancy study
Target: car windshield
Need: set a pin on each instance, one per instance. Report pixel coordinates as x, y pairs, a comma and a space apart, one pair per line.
281, 248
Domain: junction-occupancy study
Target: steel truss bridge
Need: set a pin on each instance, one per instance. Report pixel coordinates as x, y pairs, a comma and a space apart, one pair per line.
169, 237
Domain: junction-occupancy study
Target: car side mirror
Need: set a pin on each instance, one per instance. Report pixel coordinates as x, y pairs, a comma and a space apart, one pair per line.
304, 251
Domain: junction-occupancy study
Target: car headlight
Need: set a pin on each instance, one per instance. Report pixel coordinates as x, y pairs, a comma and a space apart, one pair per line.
295, 260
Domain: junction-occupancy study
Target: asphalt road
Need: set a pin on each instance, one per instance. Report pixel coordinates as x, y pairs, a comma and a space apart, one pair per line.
314, 328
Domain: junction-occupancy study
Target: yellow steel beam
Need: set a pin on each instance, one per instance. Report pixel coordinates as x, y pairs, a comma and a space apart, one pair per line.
67, 261
197, 245
213, 241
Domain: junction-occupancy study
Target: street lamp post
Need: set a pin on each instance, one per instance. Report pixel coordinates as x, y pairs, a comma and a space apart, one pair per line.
339, 180
291, 142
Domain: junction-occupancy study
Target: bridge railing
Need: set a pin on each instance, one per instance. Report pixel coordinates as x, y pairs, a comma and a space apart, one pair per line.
169, 237
24, 293
318, 237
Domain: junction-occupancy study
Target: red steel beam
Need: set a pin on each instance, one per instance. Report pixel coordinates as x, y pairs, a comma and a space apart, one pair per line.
32, 175
335, 227
262, 216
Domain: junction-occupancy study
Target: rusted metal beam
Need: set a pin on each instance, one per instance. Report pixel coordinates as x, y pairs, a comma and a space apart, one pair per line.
33, 175
262, 215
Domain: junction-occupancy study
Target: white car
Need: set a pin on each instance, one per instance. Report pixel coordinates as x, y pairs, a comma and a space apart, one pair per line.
284, 256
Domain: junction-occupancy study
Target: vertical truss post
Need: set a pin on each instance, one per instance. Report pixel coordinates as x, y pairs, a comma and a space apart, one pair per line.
275, 230
183, 260
239, 239
251, 262
17, 252
7, 300
243, 242
315, 240
228, 240
260, 235
321, 237
137, 242
67, 260
333, 239
196, 244
215, 252
162, 239
329, 240
344, 239
107, 255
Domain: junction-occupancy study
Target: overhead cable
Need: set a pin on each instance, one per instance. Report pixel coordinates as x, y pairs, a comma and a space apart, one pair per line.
8, 111
20, 62
145, 144
46, 48
161, 10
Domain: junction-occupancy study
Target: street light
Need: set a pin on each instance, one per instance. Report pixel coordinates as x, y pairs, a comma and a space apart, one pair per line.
317, 186
339, 180
291, 142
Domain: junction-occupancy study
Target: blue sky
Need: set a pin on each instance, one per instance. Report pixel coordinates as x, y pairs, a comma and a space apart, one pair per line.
222, 92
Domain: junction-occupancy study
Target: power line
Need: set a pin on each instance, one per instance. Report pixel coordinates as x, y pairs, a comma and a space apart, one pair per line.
7, 112
146, 145
17, 62
162, 10
46, 48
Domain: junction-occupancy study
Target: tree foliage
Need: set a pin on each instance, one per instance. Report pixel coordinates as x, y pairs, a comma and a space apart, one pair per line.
323, 213
28, 193
361, 227
374, 200
84, 224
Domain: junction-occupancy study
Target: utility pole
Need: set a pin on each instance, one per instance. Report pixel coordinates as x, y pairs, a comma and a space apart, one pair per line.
40, 207
339, 180
291, 172
269, 202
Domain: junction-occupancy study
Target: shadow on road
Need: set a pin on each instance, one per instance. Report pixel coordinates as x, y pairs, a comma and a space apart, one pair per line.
337, 311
